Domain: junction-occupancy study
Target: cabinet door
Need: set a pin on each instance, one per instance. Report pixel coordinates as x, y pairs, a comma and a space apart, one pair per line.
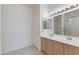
46, 46
57, 48
49, 46
43, 42
70, 50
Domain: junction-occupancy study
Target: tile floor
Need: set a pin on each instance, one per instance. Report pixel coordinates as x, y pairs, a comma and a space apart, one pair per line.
26, 51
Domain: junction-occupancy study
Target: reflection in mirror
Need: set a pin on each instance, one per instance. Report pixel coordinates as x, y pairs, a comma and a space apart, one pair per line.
72, 27
58, 24
47, 23
67, 27
44, 23
71, 23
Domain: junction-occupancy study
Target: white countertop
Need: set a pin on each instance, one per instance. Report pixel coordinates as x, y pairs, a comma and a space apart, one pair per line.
63, 39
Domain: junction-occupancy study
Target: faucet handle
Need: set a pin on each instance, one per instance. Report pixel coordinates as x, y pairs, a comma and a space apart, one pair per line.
69, 38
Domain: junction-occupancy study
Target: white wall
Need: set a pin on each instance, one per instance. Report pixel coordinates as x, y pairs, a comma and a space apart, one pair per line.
17, 27
43, 12
0, 29
36, 25
39, 11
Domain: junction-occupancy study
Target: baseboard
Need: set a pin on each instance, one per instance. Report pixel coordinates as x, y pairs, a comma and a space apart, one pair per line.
37, 48
15, 49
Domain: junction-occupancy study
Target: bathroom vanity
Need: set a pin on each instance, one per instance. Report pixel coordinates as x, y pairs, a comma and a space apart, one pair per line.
59, 45
64, 40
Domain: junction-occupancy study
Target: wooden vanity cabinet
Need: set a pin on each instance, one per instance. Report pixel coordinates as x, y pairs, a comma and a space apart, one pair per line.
57, 48
49, 46
43, 44
46, 45
52, 47
70, 50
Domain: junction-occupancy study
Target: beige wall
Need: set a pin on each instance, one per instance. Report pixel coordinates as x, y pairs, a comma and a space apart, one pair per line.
17, 27
38, 12
36, 25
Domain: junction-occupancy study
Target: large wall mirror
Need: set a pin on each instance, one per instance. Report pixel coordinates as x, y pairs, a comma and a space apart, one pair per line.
47, 23
71, 23
63, 24
58, 25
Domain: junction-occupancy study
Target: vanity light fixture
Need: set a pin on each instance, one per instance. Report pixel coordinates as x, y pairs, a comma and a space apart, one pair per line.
65, 9
59, 12
52, 14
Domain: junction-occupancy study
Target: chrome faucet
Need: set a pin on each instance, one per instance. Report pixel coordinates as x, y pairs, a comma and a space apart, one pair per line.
69, 38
